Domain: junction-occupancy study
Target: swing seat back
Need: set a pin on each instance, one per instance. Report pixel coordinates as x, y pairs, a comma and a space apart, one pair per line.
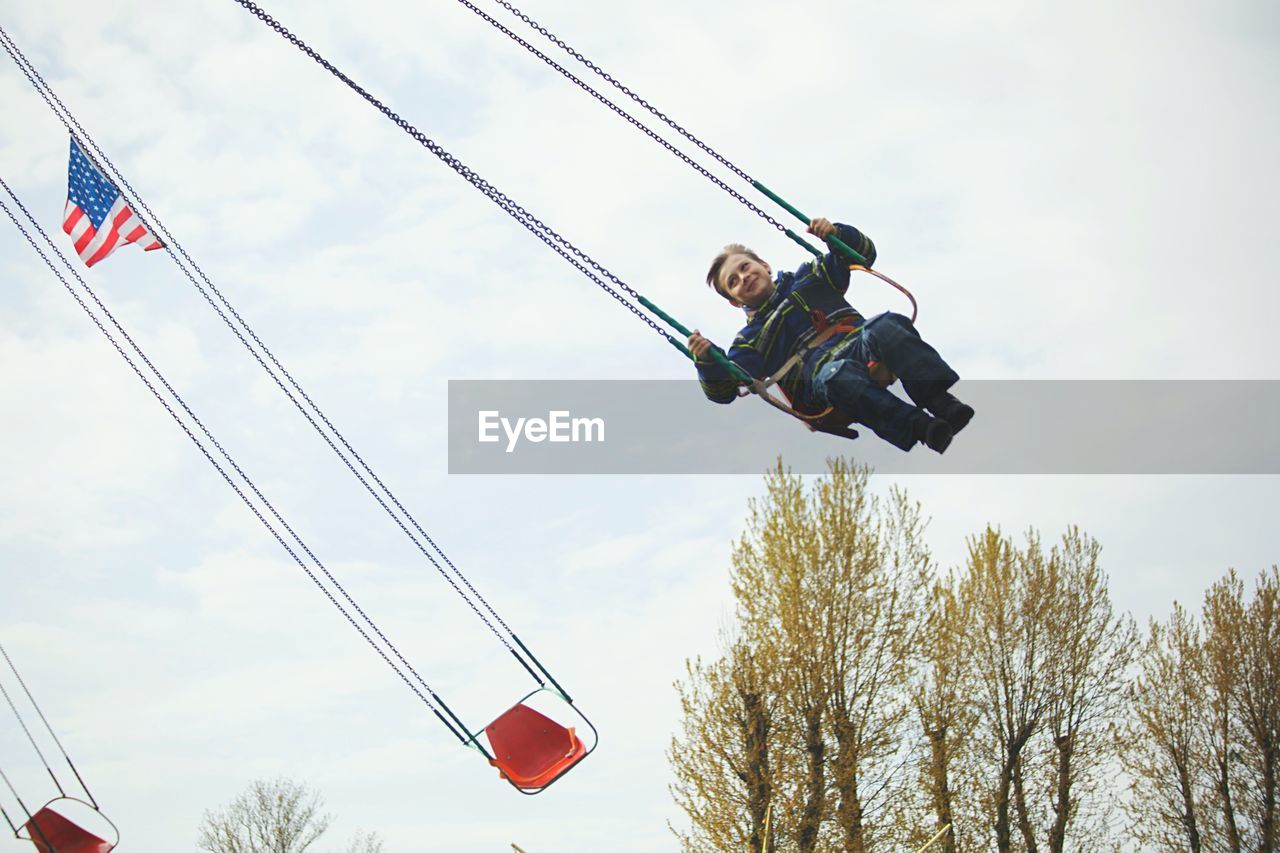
52, 832
531, 750
829, 420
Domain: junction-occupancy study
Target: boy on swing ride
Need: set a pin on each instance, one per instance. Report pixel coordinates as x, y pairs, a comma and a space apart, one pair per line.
846, 369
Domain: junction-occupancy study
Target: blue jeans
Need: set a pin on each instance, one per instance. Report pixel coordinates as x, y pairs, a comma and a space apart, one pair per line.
892, 340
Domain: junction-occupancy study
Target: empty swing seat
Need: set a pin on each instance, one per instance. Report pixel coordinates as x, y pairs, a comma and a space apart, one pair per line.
52, 832
531, 750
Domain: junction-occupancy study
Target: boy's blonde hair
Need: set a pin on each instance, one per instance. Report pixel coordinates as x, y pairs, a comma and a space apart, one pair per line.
713, 274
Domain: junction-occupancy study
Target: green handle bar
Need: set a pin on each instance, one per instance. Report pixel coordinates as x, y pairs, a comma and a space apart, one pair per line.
716, 355
835, 241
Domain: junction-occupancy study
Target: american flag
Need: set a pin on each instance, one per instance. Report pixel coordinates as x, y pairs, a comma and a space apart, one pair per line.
92, 200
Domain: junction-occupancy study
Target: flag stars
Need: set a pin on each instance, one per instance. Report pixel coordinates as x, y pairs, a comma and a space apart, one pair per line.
89, 189
92, 200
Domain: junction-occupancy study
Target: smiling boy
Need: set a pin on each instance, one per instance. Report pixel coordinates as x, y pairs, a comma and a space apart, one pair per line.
844, 371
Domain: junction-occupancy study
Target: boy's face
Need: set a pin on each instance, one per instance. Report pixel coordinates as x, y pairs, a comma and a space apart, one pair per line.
748, 282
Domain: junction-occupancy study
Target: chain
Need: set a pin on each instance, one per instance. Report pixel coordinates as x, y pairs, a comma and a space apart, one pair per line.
609, 78
47, 92
12, 790
31, 739
542, 231
208, 456
621, 113
40, 713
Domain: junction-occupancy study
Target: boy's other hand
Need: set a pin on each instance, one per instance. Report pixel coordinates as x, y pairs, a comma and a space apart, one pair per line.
822, 228
698, 345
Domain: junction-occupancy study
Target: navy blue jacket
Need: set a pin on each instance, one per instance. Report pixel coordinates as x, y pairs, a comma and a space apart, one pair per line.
783, 325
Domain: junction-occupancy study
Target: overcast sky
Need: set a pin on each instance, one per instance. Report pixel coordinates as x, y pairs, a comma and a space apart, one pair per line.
1082, 191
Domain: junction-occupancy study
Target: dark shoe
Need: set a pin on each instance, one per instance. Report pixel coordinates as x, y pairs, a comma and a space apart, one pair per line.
933, 433
952, 411
938, 434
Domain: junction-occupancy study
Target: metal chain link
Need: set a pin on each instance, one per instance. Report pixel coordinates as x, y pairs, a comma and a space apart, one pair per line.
30, 738
40, 713
11, 48
652, 110
17, 797
543, 232
222, 451
619, 111
560, 43
46, 92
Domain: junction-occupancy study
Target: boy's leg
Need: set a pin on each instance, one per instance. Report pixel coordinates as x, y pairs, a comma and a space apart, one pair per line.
846, 385
893, 340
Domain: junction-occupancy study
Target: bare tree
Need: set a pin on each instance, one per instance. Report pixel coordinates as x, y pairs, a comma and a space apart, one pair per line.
945, 714
1260, 704
365, 842
1243, 650
1089, 650
723, 760
1223, 614
829, 584
1205, 748
1004, 601
1163, 739
878, 572
780, 567
272, 816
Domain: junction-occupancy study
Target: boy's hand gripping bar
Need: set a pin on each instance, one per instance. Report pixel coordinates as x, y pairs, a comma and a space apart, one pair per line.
835, 242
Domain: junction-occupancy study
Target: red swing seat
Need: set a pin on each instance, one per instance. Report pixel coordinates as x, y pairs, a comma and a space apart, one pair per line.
531, 750
52, 832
